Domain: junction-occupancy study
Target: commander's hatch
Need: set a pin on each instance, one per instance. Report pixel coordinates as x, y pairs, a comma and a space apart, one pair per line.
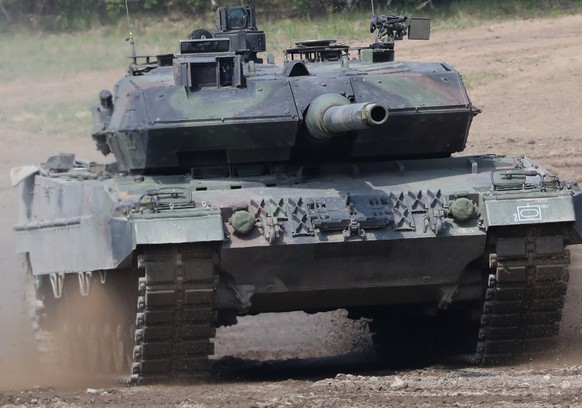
207, 63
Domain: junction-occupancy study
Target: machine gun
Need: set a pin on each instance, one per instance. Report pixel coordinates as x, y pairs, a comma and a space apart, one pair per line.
391, 27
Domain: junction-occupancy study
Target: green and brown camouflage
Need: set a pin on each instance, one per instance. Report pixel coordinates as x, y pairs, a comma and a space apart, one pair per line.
160, 123
240, 187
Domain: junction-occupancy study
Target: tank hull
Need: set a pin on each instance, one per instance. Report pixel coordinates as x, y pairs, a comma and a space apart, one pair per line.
361, 236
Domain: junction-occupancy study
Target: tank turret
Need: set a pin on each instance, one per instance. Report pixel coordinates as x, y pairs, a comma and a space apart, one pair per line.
215, 103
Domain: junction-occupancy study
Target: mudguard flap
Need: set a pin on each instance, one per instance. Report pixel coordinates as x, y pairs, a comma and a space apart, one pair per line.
197, 225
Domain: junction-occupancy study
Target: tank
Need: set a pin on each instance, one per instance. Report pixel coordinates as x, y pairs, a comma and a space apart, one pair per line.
334, 181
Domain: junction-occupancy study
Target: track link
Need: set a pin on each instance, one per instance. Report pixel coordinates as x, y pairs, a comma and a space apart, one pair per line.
175, 322
524, 297
104, 337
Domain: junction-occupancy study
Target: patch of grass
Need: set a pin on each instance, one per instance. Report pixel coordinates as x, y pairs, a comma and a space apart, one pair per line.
33, 54
67, 118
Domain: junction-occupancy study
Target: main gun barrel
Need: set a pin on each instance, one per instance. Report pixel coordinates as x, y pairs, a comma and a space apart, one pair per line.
330, 115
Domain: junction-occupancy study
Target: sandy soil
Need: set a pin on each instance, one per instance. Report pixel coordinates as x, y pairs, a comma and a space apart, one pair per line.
527, 78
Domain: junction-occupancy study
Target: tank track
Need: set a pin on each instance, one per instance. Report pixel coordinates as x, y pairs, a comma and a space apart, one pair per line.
524, 297
105, 337
175, 323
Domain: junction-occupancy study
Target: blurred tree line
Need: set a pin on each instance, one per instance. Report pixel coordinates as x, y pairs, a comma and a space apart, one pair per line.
80, 14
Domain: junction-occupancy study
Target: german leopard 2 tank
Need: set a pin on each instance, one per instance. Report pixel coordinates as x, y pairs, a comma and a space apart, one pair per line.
240, 187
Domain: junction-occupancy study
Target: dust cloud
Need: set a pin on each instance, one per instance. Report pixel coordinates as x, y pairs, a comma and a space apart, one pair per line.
18, 365
570, 345
518, 65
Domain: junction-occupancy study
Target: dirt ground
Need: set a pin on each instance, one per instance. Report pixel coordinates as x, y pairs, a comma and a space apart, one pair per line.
525, 75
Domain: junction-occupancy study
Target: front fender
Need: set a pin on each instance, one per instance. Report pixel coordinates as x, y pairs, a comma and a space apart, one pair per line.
526, 209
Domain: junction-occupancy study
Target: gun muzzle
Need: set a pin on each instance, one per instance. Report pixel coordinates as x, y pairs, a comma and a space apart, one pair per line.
330, 115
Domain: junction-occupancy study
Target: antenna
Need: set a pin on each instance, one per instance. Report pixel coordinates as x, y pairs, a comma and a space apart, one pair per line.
130, 39
372, 18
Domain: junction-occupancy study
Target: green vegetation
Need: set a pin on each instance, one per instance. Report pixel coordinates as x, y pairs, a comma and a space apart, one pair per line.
35, 52
67, 117
33, 56
74, 15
